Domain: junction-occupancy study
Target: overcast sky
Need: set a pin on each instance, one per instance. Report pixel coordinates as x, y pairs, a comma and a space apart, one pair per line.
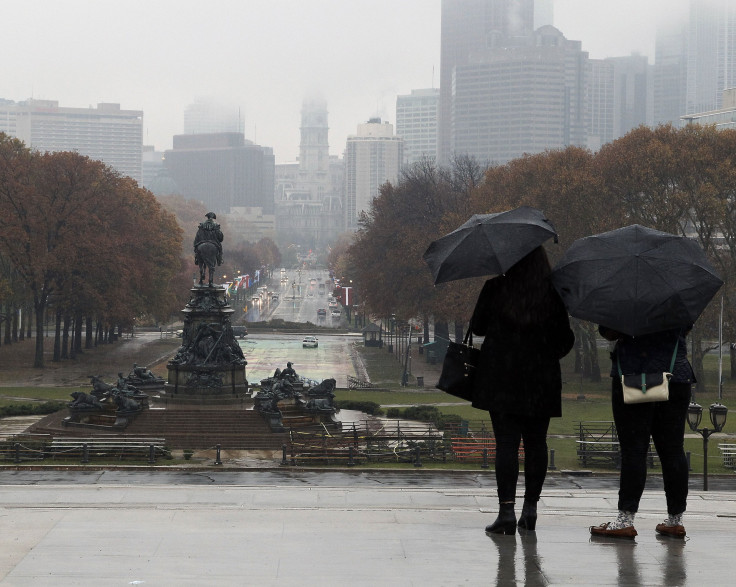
263, 55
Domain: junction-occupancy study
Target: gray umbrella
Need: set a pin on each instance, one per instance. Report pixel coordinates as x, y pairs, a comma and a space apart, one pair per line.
488, 244
636, 280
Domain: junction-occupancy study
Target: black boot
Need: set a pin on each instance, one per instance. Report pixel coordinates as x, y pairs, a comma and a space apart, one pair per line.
505, 522
528, 519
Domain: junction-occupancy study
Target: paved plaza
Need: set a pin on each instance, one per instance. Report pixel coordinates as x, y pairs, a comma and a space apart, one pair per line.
276, 526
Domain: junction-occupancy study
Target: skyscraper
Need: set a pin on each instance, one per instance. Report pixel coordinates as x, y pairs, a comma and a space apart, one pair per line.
105, 133
631, 93
223, 171
524, 96
669, 74
469, 27
372, 157
210, 116
599, 93
695, 61
308, 195
711, 53
314, 150
416, 123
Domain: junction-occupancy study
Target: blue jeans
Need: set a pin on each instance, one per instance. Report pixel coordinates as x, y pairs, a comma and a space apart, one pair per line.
664, 423
509, 429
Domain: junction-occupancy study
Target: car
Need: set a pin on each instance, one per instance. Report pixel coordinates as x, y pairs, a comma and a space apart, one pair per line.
336, 313
310, 342
321, 312
179, 333
275, 298
240, 331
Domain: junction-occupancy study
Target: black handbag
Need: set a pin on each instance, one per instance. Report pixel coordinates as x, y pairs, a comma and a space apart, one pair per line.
458, 368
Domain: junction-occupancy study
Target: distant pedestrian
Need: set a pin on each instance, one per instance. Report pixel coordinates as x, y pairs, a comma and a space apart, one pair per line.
518, 380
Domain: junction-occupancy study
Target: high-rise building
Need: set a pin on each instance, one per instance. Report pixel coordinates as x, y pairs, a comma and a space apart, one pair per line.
630, 93
372, 157
599, 100
669, 74
314, 150
105, 133
416, 123
711, 53
695, 61
209, 116
308, 195
223, 171
467, 28
524, 96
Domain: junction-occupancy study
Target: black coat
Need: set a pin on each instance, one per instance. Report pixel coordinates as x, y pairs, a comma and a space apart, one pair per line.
519, 366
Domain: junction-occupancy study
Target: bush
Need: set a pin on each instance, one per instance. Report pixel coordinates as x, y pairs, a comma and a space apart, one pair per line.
424, 414
31, 409
371, 408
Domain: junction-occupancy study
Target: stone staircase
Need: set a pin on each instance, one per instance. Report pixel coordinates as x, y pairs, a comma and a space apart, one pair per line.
201, 429
182, 428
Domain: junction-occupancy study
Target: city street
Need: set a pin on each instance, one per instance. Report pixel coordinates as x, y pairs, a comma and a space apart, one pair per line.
300, 294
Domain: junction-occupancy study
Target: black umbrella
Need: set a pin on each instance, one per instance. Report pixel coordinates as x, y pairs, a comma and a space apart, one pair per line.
488, 244
636, 280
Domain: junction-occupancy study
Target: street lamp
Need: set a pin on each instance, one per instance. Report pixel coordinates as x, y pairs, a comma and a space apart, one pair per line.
718, 414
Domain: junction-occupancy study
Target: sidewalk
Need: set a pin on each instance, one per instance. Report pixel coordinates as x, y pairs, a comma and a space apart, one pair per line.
281, 527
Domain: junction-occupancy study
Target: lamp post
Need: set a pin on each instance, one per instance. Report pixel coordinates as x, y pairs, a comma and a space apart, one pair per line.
718, 414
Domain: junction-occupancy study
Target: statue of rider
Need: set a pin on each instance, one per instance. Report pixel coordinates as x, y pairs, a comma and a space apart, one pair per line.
209, 232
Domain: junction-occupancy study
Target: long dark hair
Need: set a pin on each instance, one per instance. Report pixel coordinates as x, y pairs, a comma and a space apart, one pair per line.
524, 293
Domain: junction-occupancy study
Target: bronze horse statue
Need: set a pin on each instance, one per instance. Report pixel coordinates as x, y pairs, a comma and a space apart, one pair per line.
207, 254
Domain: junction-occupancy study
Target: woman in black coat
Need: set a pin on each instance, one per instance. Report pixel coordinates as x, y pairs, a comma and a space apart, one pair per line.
518, 380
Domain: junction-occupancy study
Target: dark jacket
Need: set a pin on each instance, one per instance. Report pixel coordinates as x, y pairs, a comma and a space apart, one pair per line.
650, 353
519, 367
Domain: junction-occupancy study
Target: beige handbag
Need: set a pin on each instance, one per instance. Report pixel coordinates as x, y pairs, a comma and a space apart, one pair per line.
647, 387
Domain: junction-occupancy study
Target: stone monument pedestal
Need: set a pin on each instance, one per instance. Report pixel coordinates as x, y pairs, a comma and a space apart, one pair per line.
209, 367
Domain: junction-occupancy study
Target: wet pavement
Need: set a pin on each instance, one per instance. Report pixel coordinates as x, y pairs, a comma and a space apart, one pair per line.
333, 358
280, 526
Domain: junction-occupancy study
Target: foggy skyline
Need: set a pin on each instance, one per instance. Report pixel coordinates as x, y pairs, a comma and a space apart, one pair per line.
263, 56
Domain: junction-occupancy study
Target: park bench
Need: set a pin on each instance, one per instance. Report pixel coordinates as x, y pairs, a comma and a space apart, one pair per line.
88, 448
477, 449
728, 452
597, 442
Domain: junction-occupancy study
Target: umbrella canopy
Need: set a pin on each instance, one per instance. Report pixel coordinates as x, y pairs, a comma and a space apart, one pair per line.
488, 244
636, 280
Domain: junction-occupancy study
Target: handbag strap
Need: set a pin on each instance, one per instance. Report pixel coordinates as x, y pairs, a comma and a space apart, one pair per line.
672, 362
468, 340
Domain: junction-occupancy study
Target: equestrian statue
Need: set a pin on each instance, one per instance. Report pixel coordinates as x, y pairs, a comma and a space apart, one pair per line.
208, 247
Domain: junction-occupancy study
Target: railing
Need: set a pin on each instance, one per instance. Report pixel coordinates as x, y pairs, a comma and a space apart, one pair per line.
24, 448
728, 452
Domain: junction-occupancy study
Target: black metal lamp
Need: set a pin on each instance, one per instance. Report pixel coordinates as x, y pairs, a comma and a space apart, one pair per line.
694, 415
718, 414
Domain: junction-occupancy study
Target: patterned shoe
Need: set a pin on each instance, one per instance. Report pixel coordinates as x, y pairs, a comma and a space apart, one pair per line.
673, 531
604, 530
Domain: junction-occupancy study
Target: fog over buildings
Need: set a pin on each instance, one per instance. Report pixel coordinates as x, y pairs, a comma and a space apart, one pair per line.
280, 94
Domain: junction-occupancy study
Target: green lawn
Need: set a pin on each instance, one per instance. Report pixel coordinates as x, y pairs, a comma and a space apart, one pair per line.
21, 395
583, 400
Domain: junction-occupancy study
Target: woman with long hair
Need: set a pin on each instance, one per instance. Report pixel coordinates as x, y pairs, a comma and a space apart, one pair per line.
518, 380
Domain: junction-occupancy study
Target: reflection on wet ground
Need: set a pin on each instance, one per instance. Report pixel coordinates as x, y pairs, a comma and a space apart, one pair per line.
333, 358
